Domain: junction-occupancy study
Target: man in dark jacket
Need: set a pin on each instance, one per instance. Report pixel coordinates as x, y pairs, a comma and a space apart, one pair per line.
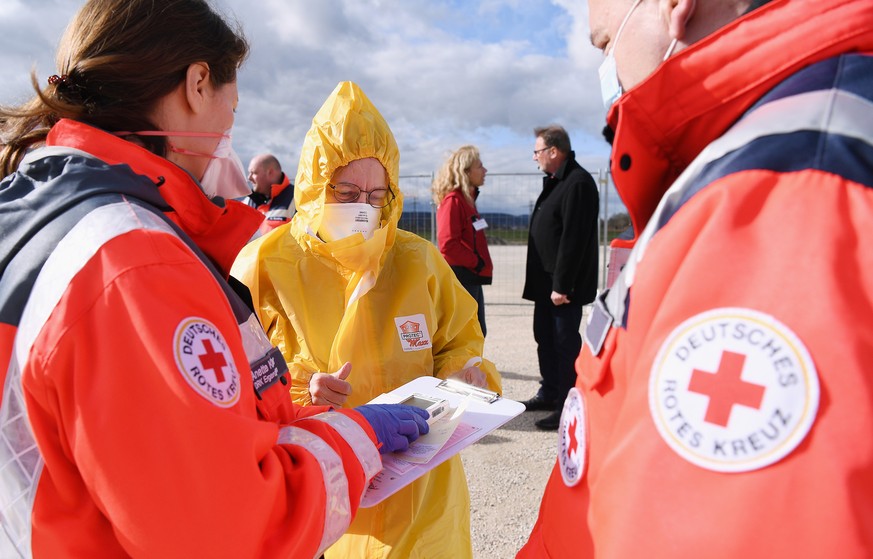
561, 271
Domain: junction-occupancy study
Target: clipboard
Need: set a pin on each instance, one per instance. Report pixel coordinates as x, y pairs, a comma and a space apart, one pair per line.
486, 411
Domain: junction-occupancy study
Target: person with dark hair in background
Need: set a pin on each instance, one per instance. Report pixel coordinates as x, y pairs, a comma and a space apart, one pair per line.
460, 228
724, 403
272, 192
561, 271
144, 412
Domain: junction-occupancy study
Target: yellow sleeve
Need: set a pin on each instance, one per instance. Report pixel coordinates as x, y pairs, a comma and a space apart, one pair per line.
248, 269
458, 338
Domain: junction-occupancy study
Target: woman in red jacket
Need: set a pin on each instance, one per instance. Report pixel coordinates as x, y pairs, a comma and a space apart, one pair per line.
460, 228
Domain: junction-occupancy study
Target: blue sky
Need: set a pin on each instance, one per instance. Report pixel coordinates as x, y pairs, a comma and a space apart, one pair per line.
493, 22
443, 72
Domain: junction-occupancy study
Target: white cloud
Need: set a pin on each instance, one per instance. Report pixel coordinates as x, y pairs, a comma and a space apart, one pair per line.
304, 22
581, 52
443, 72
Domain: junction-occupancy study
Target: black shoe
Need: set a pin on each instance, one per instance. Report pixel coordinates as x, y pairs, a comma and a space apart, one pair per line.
550, 422
539, 403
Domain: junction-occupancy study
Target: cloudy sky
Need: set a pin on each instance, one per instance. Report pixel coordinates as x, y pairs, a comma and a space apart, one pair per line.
442, 72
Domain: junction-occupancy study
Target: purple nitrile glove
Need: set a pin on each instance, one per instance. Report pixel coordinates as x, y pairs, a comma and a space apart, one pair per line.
396, 425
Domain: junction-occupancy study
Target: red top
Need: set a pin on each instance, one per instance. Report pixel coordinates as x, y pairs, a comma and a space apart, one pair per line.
459, 240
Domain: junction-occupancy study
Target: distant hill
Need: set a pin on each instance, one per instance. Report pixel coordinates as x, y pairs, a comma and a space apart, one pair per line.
502, 229
416, 220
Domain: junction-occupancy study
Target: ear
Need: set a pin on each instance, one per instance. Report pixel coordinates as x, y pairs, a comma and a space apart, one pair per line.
678, 13
197, 84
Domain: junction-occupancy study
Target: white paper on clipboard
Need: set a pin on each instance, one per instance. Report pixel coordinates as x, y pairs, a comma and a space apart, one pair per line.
485, 412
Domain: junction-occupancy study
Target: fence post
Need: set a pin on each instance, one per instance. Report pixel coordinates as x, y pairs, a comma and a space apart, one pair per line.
433, 230
603, 246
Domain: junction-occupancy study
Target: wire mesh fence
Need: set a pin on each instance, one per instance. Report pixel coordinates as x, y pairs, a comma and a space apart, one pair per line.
505, 202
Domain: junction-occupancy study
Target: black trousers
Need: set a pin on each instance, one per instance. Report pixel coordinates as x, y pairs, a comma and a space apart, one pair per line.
556, 331
476, 292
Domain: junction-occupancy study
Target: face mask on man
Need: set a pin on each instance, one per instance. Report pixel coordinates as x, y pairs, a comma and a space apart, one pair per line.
610, 87
224, 175
343, 220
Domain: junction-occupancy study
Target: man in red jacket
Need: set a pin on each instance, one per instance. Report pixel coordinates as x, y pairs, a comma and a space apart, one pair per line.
272, 192
723, 405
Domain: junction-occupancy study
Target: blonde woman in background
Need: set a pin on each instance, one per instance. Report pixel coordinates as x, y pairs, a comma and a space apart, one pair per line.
460, 228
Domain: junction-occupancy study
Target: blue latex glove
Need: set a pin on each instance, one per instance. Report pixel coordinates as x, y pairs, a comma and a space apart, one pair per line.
395, 425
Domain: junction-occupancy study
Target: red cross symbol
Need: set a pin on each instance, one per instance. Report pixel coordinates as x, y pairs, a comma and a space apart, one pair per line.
213, 360
574, 444
726, 389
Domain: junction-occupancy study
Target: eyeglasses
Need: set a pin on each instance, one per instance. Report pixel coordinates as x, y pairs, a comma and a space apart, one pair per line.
346, 192
538, 151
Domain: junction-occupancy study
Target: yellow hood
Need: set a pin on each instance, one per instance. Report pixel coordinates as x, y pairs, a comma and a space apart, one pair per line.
347, 127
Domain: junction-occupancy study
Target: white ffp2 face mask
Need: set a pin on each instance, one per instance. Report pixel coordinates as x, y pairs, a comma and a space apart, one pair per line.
224, 175
342, 220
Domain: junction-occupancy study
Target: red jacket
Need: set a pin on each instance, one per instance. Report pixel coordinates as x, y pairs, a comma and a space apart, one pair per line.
135, 374
728, 411
460, 243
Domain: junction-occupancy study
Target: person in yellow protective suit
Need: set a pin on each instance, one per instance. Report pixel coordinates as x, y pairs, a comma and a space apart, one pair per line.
342, 286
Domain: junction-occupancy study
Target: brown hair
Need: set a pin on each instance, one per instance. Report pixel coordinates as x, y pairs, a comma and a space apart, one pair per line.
554, 136
116, 60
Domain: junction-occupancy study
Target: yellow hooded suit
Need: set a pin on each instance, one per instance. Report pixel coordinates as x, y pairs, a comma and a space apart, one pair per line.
353, 300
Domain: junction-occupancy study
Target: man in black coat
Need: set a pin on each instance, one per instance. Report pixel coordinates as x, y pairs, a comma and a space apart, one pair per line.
561, 271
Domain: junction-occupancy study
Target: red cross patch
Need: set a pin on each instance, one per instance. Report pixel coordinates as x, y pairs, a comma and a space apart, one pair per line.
733, 390
573, 439
206, 362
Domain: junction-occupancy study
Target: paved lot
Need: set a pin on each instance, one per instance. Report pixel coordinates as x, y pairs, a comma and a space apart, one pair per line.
507, 470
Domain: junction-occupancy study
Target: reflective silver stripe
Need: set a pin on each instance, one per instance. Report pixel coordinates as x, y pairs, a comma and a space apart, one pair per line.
833, 111
20, 467
20, 461
337, 512
49, 151
357, 438
255, 341
284, 213
70, 256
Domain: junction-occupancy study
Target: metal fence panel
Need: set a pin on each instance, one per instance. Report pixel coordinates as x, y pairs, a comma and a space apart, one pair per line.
506, 202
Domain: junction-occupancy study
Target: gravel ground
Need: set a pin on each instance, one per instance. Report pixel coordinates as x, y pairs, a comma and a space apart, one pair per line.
508, 469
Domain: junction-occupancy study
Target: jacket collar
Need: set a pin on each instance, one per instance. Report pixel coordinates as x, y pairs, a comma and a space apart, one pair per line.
565, 167
663, 123
220, 228
277, 188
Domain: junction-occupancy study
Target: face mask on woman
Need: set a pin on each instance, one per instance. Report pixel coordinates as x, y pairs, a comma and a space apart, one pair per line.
343, 220
224, 175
